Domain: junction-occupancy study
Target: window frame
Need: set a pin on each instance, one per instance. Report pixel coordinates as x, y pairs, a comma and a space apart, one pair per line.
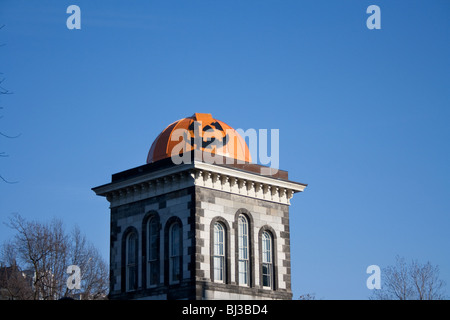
251, 247
175, 257
226, 250
152, 257
243, 251
272, 265
131, 266
219, 241
267, 259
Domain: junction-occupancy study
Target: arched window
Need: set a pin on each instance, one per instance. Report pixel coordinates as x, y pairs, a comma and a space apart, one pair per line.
267, 259
152, 251
131, 262
243, 250
219, 252
175, 253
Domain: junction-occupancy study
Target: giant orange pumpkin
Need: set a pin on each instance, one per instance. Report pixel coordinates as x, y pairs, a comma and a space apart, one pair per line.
202, 132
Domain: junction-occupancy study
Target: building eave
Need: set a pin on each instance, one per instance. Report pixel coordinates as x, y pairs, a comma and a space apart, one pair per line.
201, 174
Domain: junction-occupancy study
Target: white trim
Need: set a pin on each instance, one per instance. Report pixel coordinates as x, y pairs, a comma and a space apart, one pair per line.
217, 177
249, 176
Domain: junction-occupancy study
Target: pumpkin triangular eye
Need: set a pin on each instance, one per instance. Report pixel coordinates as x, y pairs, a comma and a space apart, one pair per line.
194, 124
217, 125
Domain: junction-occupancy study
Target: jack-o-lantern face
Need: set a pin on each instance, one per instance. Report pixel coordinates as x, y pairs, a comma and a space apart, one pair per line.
211, 136
199, 132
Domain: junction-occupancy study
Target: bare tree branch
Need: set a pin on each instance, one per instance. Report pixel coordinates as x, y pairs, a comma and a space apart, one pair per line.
413, 281
10, 182
46, 250
4, 91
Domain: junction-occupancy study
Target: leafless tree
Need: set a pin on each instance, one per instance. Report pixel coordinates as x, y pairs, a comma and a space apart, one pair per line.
413, 281
307, 296
4, 91
45, 251
14, 284
94, 270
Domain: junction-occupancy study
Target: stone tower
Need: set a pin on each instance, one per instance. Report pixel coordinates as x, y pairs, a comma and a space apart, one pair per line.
200, 229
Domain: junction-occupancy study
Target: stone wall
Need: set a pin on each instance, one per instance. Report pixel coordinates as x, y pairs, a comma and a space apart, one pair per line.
263, 215
133, 215
197, 208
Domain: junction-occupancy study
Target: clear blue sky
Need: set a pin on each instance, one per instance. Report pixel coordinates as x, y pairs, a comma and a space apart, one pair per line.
363, 115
